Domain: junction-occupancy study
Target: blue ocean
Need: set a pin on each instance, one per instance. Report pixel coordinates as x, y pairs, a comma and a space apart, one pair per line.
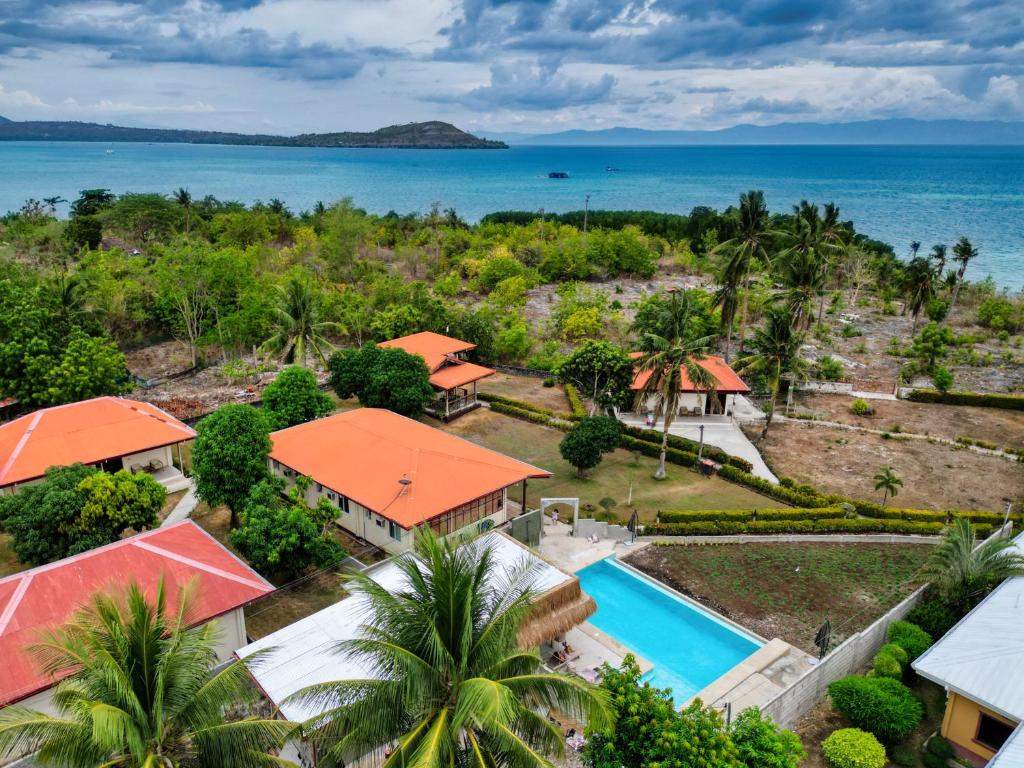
895, 194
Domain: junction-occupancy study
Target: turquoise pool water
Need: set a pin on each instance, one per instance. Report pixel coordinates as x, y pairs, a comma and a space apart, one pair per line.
688, 647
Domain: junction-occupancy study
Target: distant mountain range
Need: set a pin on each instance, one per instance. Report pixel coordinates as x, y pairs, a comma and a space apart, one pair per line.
896, 131
429, 135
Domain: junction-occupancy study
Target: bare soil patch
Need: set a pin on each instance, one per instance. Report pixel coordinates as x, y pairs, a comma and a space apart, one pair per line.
529, 389
789, 590
935, 475
1002, 427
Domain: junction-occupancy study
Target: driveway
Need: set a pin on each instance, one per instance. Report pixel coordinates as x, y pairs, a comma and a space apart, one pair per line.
184, 508
719, 431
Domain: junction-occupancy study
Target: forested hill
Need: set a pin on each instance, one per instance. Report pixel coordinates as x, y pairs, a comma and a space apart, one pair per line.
429, 135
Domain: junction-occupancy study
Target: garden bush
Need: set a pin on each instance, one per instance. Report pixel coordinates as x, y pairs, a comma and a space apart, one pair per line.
904, 755
879, 705
575, 404
937, 753
746, 515
909, 637
861, 407
853, 748
934, 616
886, 665
691, 446
1009, 402
897, 652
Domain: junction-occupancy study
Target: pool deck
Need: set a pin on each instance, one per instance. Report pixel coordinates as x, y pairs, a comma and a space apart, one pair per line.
571, 554
758, 678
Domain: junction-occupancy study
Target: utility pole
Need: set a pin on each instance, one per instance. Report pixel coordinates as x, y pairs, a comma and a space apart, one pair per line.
586, 211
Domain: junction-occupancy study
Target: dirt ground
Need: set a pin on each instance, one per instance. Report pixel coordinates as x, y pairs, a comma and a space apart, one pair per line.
1002, 427
788, 590
529, 389
935, 476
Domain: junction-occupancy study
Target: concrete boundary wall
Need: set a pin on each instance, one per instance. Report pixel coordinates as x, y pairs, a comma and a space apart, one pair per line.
797, 538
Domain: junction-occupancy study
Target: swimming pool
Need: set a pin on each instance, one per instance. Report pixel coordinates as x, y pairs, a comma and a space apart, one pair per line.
688, 646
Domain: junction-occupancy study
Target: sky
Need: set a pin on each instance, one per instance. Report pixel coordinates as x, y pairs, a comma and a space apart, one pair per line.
291, 66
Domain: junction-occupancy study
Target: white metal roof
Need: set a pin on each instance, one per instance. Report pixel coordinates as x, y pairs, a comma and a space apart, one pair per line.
303, 653
1012, 753
982, 657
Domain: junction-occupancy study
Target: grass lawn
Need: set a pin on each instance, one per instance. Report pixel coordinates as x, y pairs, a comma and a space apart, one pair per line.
526, 388
538, 445
9, 562
789, 590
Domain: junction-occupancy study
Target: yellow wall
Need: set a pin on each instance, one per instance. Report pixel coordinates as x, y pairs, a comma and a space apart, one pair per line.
960, 725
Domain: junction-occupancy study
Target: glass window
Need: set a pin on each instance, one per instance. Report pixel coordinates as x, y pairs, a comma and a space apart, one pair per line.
320, 488
343, 503
992, 733
394, 531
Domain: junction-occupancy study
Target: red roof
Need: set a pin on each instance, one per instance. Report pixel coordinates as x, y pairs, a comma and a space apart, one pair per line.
434, 348
728, 382
87, 432
47, 596
365, 453
458, 373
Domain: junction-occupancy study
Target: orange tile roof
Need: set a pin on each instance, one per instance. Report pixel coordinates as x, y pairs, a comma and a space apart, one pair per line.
432, 347
363, 454
458, 373
88, 432
46, 596
728, 382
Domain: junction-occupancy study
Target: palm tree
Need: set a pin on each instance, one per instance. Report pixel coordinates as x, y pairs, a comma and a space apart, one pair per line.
448, 683
963, 254
749, 244
776, 357
887, 482
670, 354
184, 198
142, 694
803, 274
919, 283
299, 328
964, 571
938, 255
832, 237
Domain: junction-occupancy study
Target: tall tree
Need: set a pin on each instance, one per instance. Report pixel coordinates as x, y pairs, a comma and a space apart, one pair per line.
449, 684
963, 254
938, 256
776, 356
299, 329
184, 198
752, 235
919, 285
964, 571
229, 455
601, 371
802, 272
142, 694
667, 356
888, 483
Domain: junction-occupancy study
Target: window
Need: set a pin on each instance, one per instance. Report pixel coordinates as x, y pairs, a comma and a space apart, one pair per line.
343, 504
992, 733
320, 488
380, 522
395, 531
331, 495
368, 515
275, 464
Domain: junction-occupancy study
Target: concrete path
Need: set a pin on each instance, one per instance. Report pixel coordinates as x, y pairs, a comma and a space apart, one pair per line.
184, 508
726, 435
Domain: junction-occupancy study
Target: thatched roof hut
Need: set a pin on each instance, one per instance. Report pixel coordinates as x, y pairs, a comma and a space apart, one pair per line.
555, 612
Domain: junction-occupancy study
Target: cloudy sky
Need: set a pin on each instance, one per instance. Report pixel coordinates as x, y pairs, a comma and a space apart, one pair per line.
286, 66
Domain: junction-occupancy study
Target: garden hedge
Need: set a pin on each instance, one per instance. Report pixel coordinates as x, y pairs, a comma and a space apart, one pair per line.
575, 403
492, 399
910, 637
727, 527
878, 705
746, 515
527, 415
1008, 402
853, 748
690, 446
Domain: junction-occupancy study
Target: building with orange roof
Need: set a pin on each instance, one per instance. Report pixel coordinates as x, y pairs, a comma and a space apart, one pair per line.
695, 401
44, 598
110, 433
388, 474
451, 373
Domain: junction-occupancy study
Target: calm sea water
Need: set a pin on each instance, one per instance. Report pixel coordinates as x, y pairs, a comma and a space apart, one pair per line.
896, 194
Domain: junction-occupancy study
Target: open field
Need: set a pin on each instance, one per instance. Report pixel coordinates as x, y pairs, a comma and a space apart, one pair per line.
788, 590
935, 476
1003, 427
538, 445
529, 389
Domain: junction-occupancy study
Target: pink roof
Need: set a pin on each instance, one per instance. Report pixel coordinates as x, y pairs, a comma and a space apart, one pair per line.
45, 597
88, 432
434, 348
728, 382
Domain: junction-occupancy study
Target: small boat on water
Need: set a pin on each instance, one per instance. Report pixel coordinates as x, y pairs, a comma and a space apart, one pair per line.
612, 169
558, 175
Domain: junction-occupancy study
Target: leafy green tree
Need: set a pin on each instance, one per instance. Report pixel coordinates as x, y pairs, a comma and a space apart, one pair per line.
762, 744
282, 539
650, 732
84, 232
298, 327
142, 693
119, 501
498, 268
512, 341
91, 201
776, 356
229, 455
600, 370
666, 355
585, 443
451, 685
963, 254
143, 217
942, 379
888, 483
382, 378
919, 285
931, 345
294, 397
91, 366
964, 572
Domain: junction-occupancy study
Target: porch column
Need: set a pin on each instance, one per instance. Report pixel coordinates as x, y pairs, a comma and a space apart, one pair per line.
447, 402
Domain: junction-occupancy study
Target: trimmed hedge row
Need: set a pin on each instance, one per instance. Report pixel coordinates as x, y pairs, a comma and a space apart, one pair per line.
1008, 402
550, 413
672, 455
797, 498
536, 417
575, 403
690, 446
871, 509
756, 515
840, 525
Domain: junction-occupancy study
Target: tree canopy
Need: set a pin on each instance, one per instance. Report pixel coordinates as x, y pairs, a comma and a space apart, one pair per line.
229, 455
382, 378
294, 397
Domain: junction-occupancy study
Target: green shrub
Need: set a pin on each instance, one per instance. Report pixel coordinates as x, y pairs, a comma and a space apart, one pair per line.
762, 744
933, 616
879, 705
897, 652
691, 446
548, 382
904, 755
861, 407
1008, 402
942, 379
909, 637
853, 748
575, 404
939, 747
830, 369
886, 665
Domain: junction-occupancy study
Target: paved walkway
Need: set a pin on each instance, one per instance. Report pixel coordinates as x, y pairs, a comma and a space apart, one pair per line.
184, 508
724, 434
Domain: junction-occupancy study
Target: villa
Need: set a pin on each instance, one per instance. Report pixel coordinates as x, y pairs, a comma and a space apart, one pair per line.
980, 663
303, 653
45, 597
451, 374
110, 433
694, 401
388, 474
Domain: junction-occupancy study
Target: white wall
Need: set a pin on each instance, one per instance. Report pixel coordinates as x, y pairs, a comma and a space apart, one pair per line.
687, 400
144, 458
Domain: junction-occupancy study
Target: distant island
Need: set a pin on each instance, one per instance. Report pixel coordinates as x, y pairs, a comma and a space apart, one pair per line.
429, 135
865, 132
